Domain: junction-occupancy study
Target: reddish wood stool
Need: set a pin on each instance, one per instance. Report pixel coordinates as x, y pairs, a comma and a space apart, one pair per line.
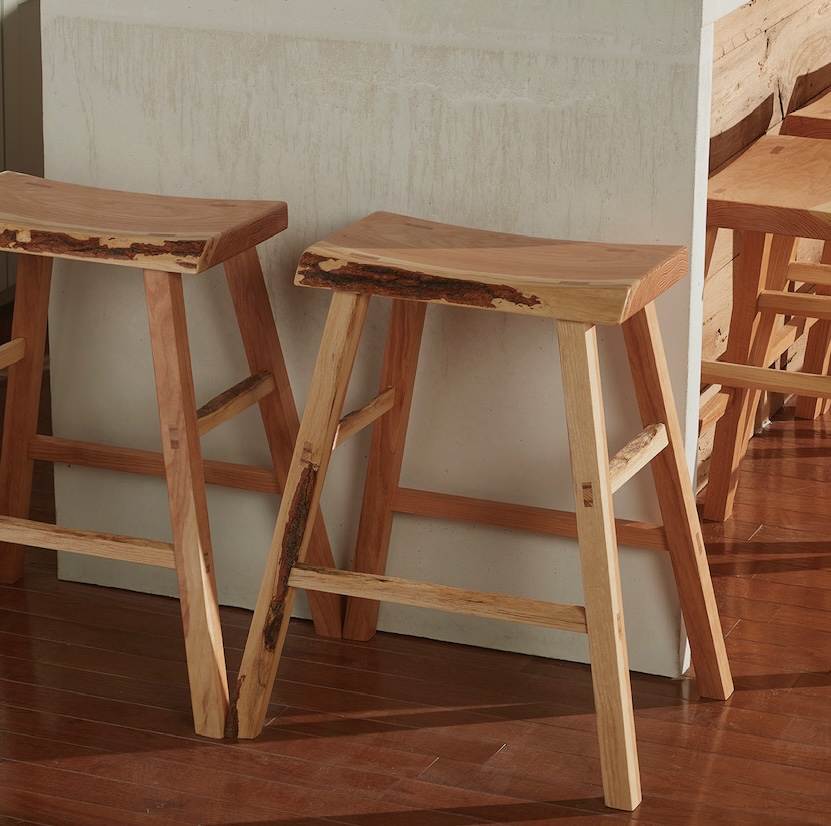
775, 193
581, 285
814, 121
165, 237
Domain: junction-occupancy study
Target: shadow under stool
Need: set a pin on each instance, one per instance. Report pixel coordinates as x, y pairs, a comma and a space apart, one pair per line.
774, 194
415, 263
165, 237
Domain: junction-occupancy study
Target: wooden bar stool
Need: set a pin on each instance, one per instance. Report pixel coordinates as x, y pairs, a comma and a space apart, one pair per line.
165, 237
775, 193
814, 121
416, 262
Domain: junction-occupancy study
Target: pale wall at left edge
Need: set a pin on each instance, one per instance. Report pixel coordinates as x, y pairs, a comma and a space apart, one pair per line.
562, 118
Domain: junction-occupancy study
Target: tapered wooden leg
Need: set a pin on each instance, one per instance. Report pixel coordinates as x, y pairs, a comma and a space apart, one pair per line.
31, 307
278, 411
710, 239
188, 505
385, 457
817, 353
762, 263
677, 501
599, 562
299, 505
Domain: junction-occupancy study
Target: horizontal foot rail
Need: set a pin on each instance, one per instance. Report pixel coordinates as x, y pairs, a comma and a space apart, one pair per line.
763, 378
440, 597
805, 305
519, 517
89, 543
819, 274
146, 462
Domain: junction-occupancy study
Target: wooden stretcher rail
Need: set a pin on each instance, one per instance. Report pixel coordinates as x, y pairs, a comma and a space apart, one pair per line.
440, 597
357, 420
519, 517
798, 304
810, 273
712, 409
12, 352
763, 378
89, 543
233, 401
784, 338
146, 462
637, 454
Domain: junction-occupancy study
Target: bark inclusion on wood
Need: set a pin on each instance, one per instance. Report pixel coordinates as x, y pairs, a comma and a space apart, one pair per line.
397, 283
231, 393
59, 243
232, 723
292, 541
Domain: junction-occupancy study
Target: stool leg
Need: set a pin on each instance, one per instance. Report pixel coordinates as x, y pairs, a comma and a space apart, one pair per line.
599, 563
748, 281
31, 308
817, 353
278, 411
677, 502
385, 456
710, 238
300, 500
759, 265
188, 505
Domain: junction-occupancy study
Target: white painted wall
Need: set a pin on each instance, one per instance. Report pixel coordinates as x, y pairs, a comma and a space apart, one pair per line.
565, 118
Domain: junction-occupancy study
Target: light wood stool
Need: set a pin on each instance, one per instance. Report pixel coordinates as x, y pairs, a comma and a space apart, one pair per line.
166, 237
415, 263
775, 193
814, 121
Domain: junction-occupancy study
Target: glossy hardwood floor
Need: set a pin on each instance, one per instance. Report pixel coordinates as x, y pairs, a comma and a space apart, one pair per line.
95, 725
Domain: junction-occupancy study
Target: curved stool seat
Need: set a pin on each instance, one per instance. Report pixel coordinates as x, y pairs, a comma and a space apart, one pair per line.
416, 263
164, 237
391, 255
173, 234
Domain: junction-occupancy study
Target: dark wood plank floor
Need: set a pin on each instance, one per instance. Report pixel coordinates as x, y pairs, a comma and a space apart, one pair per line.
95, 725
